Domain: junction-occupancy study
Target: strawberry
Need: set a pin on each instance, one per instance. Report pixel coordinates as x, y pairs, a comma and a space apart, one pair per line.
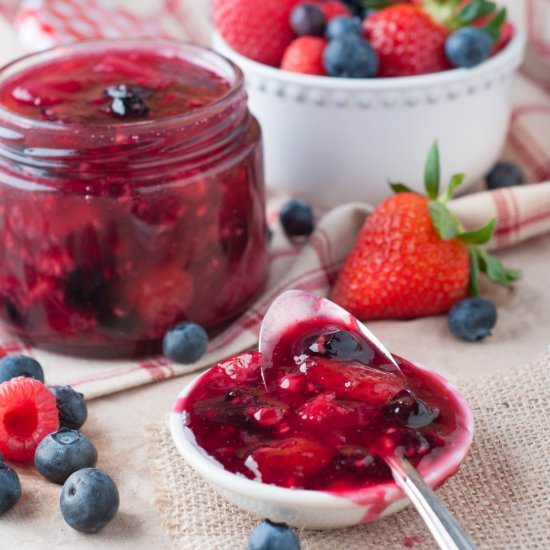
413, 258
325, 412
243, 368
28, 413
305, 55
289, 462
355, 381
332, 9
258, 29
408, 41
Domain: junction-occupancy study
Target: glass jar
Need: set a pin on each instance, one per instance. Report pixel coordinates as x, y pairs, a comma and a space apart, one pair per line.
114, 228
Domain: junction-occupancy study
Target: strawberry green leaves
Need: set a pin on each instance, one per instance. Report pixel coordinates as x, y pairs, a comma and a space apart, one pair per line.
432, 176
479, 236
399, 187
449, 227
445, 223
494, 26
475, 10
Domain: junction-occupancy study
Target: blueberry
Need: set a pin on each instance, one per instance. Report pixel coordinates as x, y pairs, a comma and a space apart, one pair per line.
86, 289
308, 19
410, 410
20, 365
89, 500
62, 453
273, 536
355, 6
128, 101
297, 219
472, 319
350, 57
468, 47
504, 174
341, 346
10, 487
343, 26
185, 343
71, 405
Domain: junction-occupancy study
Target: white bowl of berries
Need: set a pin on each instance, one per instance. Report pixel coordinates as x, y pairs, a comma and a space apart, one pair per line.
347, 104
288, 433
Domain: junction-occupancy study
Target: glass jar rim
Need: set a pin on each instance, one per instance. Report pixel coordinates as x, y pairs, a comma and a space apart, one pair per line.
194, 53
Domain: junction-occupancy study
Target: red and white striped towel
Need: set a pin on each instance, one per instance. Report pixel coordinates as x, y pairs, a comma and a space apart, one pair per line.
521, 213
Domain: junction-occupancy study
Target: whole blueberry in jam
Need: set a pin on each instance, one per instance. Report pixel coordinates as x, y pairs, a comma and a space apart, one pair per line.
128, 101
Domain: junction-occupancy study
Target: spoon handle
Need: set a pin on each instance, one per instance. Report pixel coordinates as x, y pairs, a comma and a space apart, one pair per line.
444, 527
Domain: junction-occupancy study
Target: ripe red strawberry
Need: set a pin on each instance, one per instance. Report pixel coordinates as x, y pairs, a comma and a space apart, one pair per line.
333, 9
408, 41
289, 462
305, 55
258, 29
413, 259
28, 413
355, 381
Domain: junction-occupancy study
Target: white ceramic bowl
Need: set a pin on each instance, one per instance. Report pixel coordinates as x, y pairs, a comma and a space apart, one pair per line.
315, 509
331, 140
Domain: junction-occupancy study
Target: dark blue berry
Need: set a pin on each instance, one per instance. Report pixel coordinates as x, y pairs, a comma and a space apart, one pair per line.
86, 289
71, 405
89, 500
350, 57
505, 174
128, 101
472, 319
355, 6
62, 453
410, 410
343, 26
308, 20
273, 536
297, 219
185, 343
13, 366
468, 47
341, 345
10, 487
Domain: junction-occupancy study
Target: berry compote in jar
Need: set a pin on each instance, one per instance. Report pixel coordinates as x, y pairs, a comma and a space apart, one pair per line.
131, 195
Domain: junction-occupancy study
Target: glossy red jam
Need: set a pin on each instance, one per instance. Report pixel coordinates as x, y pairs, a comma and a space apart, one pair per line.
332, 407
131, 195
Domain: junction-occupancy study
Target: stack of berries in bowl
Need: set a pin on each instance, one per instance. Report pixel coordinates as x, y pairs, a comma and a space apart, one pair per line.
364, 38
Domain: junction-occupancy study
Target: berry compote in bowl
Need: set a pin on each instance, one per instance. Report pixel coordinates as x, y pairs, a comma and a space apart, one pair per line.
131, 195
298, 431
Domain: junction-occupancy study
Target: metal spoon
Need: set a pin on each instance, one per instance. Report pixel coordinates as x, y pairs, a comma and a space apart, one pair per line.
443, 526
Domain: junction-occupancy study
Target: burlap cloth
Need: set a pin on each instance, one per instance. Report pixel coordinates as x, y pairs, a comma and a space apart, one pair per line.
501, 495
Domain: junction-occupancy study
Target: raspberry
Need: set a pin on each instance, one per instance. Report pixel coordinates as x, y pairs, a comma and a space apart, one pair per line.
305, 55
258, 29
28, 413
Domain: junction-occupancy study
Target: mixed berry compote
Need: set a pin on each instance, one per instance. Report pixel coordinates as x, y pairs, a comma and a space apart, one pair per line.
131, 195
325, 412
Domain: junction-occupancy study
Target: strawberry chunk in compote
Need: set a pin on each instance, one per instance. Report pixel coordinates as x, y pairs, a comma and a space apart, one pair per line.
321, 414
